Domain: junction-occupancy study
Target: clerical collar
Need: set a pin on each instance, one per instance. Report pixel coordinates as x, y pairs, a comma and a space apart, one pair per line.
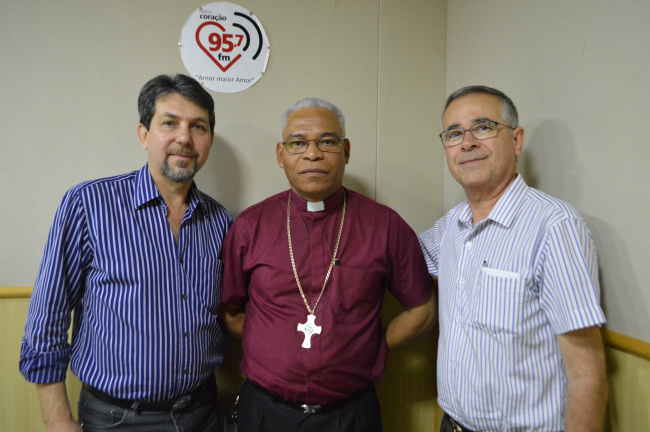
315, 206
332, 202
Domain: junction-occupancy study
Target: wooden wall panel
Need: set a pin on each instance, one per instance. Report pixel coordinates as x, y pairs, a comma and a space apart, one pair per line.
629, 392
406, 391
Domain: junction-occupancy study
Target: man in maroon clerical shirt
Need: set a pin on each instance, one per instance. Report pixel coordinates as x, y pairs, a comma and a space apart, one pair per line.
305, 273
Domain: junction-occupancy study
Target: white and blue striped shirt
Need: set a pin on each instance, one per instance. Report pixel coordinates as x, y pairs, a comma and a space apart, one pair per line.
507, 287
145, 307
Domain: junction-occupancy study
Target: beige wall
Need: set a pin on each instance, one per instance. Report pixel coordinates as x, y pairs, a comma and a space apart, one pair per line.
579, 72
72, 70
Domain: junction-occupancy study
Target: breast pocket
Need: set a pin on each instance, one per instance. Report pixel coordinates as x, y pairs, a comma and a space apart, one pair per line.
356, 294
209, 283
498, 301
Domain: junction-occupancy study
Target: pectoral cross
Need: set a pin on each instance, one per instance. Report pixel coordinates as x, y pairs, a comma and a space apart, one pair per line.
309, 329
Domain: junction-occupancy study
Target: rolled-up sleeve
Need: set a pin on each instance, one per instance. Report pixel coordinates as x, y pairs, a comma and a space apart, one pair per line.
45, 351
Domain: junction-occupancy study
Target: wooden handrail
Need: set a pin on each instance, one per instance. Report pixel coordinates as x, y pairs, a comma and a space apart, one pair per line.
612, 339
627, 344
15, 292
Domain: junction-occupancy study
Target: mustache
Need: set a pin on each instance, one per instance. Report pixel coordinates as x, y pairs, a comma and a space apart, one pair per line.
182, 151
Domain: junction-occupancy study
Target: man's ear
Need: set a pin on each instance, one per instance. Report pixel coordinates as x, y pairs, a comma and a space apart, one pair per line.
519, 136
143, 133
278, 155
346, 150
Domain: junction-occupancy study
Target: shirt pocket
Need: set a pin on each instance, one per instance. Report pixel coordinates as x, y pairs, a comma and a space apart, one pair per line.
498, 301
209, 283
356, 294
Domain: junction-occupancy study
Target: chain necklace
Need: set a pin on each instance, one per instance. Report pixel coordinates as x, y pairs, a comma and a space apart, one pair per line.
309, 328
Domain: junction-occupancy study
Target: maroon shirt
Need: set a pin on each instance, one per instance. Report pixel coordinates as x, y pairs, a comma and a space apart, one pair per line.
378, 250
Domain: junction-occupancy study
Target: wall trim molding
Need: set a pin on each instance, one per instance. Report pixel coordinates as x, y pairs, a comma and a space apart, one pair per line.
612, 339
15, 292
626, 344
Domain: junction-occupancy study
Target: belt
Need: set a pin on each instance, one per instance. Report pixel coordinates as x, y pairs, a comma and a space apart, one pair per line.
455, 426
135, 405
313, 409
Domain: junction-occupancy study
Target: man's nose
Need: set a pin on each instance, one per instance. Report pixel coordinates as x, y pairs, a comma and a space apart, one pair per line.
312, 152
469, 142
183, 135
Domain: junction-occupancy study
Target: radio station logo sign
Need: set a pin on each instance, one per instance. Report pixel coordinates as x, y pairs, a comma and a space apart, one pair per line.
224, 47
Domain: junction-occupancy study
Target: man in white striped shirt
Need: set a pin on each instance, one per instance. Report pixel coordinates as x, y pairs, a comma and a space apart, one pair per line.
520, 348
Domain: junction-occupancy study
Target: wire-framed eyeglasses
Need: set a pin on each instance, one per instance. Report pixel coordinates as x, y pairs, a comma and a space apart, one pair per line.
325, 144
483, 130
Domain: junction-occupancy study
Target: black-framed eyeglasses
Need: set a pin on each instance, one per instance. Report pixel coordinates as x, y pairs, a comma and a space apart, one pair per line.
483, 130
325, 144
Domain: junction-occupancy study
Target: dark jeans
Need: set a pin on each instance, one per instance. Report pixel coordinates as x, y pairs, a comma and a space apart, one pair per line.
259, 412
201, 415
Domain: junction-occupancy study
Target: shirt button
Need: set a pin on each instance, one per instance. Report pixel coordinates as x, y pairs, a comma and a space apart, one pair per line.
180, 260
468, 245
186, 371
184, 296
187, 334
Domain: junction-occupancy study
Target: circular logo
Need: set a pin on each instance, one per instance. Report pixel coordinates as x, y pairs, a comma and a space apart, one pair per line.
224, 47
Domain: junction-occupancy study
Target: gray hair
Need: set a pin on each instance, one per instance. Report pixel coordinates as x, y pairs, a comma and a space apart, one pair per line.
312, 103
509, 114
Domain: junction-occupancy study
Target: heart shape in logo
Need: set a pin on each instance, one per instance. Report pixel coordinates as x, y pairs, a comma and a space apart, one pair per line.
209, 54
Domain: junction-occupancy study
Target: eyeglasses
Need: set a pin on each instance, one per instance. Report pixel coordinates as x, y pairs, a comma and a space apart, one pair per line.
300, 145
480, 131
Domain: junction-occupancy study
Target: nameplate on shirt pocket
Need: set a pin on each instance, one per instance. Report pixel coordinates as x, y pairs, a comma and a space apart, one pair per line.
498, 301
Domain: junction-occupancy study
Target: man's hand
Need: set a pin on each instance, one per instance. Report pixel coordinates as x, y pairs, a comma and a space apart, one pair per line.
55, 408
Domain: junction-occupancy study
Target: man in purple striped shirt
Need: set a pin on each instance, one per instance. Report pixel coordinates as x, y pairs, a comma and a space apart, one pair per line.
519, 347
136, 257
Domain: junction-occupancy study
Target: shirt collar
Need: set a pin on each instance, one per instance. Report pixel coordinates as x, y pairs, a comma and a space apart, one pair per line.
332, 202
504, 211
145, 190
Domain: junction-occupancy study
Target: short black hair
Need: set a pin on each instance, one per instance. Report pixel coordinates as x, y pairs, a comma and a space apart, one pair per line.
510, 114
164, 85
